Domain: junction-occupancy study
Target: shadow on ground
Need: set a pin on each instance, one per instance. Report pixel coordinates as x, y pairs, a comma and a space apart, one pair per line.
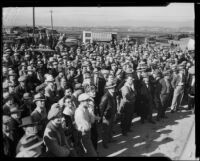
144, 138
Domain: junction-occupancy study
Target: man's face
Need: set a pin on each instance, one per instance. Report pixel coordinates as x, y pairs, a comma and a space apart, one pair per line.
85, 103
110, 78
113, 67
11, 101
12, 77
16, 115
146, 80
55, 66
11, 89
105, 75
41, 104
52, 86
71, 72
58, 121
30, 72
68, 102
30, 130
129, 80
63, 82
7, 127
68, 92
92, 93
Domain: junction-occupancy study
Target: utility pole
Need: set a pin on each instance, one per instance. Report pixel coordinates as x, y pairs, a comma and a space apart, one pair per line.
51, 20
33, 21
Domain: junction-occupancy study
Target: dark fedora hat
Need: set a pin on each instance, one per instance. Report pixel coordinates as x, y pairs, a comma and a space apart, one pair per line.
27, 121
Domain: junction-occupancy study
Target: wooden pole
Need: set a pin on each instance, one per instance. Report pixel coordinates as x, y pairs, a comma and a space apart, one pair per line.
51, 21
33, 21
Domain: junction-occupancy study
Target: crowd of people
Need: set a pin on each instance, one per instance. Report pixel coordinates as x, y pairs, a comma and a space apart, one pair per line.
54, 104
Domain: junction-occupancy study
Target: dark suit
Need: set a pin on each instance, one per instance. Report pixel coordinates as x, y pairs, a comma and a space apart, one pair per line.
20, 91
146, 101
157, 99
108, 109
8, 146
127, 107
100, 84
41, 119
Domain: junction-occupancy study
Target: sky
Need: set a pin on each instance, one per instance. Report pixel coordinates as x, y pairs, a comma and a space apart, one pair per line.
101, 16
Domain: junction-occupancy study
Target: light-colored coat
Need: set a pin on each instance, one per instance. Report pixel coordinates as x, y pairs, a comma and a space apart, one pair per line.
83, 119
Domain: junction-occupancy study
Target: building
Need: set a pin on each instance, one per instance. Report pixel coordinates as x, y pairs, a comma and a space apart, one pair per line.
89, 36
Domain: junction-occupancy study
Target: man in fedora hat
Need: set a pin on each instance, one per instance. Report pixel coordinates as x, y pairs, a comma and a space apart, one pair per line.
146, 94
21, 88
83, 121
108, 110
30, 128
127, 104
40, 113
54, 138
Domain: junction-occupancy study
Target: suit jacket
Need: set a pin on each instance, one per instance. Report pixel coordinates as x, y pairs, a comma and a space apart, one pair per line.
55, 141
20, 91
26, 111
108, 106
157, 93
100, 84
146, 94
32, 82
18, 131
191, 88
8, 146
53, 72
164, 87
128, 94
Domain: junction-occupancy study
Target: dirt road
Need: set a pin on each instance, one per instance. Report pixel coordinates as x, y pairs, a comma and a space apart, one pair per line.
166, 138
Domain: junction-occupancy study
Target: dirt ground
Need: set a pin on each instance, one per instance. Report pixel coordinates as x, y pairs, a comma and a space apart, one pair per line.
165, 138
